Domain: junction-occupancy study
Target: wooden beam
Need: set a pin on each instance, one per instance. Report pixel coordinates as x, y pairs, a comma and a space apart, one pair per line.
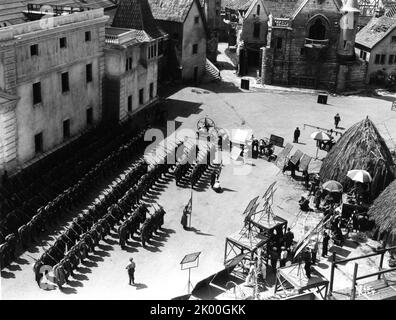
353, 290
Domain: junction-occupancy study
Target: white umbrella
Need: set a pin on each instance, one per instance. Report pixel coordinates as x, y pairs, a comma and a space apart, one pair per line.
320, 135
332, 186
359, 175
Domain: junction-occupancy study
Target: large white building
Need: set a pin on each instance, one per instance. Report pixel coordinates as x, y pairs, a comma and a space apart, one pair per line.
51, 73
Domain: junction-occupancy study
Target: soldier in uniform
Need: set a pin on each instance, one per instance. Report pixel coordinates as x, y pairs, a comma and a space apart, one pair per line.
3, 255
83, 250
12, 241
123, 235
67, 267
37, 271
24, 236
144, 233
60, 275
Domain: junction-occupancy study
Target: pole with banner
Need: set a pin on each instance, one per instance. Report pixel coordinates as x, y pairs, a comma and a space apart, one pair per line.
190, 205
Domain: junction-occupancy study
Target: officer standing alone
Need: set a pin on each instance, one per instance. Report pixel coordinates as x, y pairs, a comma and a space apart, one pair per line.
131, 271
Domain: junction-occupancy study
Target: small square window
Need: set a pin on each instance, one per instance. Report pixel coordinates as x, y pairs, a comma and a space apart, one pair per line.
66, 129
65, 82
383, 56
34, 50
302, 51
377, 58
196, 19
87, 36
391, 59
37, 92
393, 39
88, 70
63, 42
129, 103
89, 116
38, 142
195, 49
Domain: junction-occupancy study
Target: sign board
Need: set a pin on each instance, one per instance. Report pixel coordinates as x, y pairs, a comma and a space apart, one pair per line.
296, 157
284, 153
304, 162
276, 140
235, 152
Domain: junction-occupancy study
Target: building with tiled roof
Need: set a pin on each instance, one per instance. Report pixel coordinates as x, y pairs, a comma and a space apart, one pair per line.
134, 46
185, 22
301, 43
376, 44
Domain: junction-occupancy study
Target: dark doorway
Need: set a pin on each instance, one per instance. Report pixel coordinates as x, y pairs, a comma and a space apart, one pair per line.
317, 31
253, 58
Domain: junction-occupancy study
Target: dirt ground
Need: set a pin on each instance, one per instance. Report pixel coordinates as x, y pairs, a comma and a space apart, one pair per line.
215, 216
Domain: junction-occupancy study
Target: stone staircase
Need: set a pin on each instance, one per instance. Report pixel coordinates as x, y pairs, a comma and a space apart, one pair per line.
212, 74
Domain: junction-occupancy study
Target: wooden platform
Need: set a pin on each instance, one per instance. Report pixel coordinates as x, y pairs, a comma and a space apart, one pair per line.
297, 278
246, 242
374, 290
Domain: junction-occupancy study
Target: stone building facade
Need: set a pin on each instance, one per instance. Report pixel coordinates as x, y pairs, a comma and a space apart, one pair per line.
376, 45
184, 21
51, 74
309, 43
134, 45
252, 36
212, 10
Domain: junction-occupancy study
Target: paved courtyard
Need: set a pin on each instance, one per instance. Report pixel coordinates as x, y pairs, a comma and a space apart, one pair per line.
215, 216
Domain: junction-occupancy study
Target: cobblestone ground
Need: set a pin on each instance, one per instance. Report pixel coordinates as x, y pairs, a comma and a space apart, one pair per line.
215, 216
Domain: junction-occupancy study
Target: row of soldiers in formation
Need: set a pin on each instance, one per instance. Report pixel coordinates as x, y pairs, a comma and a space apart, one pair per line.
21, 195
48, 215
95, 223
204, 158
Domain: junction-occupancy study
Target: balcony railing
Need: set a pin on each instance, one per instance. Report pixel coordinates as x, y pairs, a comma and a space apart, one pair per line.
118, 35
281, 23
314, 43
56, 10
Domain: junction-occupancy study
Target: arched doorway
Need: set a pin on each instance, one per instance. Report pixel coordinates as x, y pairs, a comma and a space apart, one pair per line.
317, 30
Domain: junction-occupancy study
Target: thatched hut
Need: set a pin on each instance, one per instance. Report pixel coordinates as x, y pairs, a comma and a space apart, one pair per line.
383, 212
361, 147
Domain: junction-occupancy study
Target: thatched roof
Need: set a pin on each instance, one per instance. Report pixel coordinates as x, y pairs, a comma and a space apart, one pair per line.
383, 210
361, 147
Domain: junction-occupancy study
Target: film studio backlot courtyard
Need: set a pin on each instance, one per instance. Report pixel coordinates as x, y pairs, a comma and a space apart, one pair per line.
215, 216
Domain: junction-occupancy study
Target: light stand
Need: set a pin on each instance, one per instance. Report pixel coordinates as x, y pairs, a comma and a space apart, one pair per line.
190, 261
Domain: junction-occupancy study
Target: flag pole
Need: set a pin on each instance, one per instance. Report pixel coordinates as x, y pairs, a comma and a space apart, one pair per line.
191, 204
